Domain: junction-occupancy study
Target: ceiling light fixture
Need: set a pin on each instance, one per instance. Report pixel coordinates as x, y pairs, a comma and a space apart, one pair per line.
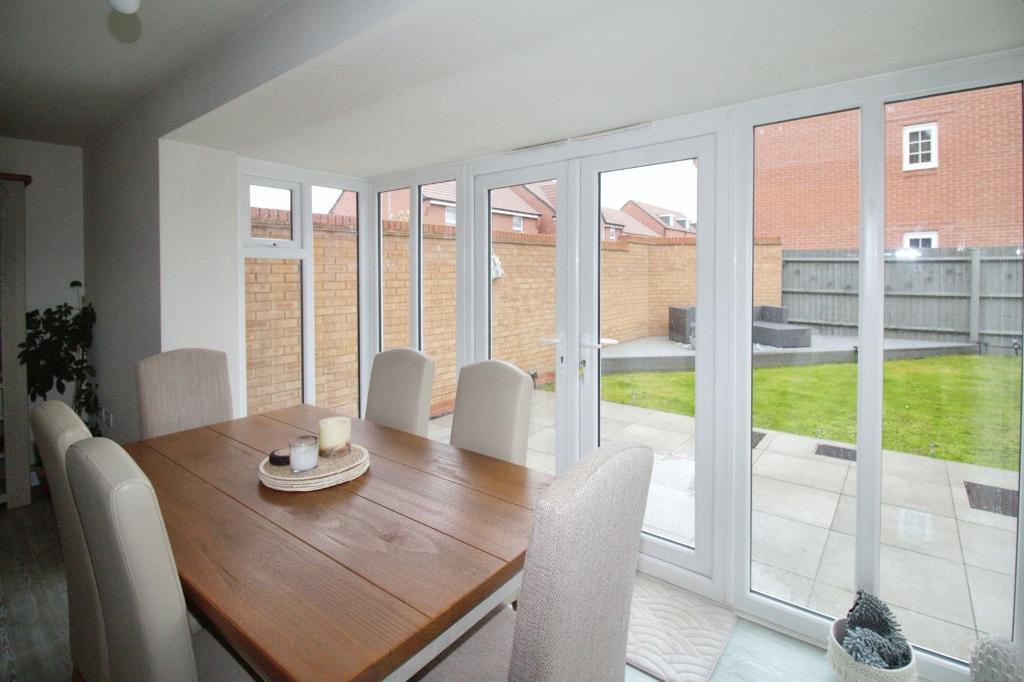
125, 6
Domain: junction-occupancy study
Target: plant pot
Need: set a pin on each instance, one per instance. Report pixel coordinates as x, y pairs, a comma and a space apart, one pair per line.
849, 670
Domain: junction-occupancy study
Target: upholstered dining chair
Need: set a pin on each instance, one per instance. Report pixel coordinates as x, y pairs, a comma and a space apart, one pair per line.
182, 389
573, 612
148, 633
56, 427
399, 393
492, 410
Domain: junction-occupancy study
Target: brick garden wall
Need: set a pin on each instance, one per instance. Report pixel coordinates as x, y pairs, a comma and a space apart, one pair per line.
642, 277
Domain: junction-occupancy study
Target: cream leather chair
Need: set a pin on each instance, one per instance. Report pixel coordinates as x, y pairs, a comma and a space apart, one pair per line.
492, 410
149, 637
182, 389
56, 427
573, 612
399, 394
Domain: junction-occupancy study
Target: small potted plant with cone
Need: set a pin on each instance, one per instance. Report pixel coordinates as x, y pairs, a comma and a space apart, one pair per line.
868, 644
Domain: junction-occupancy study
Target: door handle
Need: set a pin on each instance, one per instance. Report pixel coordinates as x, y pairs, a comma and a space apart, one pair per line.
599, 346
550, 342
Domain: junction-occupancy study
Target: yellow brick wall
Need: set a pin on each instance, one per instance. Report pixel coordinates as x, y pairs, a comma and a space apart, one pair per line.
273, 333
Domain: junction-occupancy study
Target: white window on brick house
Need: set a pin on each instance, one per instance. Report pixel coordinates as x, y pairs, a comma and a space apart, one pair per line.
920, 240
611, 234
666, 219
449, 215
920, 146
517, 223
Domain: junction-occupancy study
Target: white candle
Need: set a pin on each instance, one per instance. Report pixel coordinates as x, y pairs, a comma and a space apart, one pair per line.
303, 453
335, 434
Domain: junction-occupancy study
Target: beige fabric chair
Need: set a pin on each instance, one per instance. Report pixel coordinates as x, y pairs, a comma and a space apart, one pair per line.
149, 637
492, 410
56, 427
573, 612
399, 392
182, 389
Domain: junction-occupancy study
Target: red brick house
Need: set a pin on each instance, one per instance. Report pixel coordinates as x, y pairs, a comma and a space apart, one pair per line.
952, 174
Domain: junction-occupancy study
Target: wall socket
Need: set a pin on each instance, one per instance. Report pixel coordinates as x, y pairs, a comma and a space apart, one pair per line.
107, 417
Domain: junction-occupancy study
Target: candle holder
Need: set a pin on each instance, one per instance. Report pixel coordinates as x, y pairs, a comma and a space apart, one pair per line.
303, 453
335, 436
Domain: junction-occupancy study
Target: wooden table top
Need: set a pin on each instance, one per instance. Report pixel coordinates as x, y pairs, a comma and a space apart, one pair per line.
346, 582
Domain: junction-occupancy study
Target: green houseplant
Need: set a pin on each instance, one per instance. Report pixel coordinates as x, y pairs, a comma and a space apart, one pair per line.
56, 355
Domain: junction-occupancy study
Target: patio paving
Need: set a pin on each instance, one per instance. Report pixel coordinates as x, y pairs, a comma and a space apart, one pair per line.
946, 568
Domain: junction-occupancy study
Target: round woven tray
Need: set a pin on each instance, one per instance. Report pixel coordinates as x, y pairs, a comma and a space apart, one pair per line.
330, 470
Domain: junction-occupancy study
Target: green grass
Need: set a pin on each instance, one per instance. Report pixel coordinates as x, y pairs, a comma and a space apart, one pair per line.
958, 407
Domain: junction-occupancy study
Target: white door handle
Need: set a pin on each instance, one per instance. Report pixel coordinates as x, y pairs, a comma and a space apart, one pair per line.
598, 346
550, 342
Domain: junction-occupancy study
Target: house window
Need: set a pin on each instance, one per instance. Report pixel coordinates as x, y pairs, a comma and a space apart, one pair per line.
920, 240
517, 223
449, 215
920, 146
611, 234
666, 219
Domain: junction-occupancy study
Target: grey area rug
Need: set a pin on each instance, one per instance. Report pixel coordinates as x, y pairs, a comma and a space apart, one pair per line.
675, 635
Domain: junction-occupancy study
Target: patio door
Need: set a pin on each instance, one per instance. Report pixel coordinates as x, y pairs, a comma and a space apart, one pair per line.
524, 296
647, 244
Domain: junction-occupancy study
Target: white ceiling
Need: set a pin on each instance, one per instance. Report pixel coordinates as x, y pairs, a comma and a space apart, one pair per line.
71, 65
453, 79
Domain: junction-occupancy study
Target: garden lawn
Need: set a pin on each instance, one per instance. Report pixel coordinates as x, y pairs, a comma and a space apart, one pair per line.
958, 407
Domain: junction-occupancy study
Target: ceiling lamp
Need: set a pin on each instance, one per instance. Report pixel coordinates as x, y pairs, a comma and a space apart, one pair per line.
125, 6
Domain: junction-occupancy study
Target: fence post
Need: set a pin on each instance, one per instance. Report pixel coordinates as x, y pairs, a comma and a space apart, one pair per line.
975, 309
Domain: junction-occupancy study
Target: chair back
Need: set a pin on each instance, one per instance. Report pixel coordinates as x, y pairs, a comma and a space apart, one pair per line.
147, 630
399, 394
492, 410
56, 427
182, 389
573, 612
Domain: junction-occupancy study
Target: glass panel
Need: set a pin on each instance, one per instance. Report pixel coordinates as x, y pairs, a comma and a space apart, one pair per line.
438, 221
270, 212
806, 270
394, 269
648, 310
336, 298
273, 333
523, 284
952, 401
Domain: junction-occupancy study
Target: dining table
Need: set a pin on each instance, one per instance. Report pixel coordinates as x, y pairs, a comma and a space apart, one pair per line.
369, 579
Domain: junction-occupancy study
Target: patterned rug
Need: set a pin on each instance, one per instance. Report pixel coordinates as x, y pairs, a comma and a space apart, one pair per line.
675, 635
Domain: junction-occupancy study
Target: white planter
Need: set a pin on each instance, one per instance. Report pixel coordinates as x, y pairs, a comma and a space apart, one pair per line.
849, 670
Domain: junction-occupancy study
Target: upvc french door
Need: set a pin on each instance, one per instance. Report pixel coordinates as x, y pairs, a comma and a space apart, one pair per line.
647, 265
525, 292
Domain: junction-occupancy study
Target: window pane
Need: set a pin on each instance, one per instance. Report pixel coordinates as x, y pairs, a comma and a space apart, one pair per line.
648, 305
273, 333
336, 298
952, 394
270, 212
806, 269
394, 269
438, 307
523, 300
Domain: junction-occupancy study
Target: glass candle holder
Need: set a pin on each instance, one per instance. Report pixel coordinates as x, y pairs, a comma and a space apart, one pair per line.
304, 453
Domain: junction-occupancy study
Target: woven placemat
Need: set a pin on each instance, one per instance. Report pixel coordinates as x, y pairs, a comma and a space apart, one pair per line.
330, 470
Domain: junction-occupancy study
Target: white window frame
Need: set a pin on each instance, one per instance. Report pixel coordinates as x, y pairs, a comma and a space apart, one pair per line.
733, 127
611, 234
670, 222
907, 236
520, 223
295, 189
451, 215
302, 180
933, 128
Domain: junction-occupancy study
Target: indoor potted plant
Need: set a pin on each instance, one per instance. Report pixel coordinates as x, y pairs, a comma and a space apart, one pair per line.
56, 355
868, 644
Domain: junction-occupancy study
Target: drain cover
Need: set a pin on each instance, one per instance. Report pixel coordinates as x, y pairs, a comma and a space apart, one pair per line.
849, 454
991, 498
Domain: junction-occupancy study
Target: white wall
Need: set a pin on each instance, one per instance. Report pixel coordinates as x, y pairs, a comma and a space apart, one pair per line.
53, 218
122, 208
199, 253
